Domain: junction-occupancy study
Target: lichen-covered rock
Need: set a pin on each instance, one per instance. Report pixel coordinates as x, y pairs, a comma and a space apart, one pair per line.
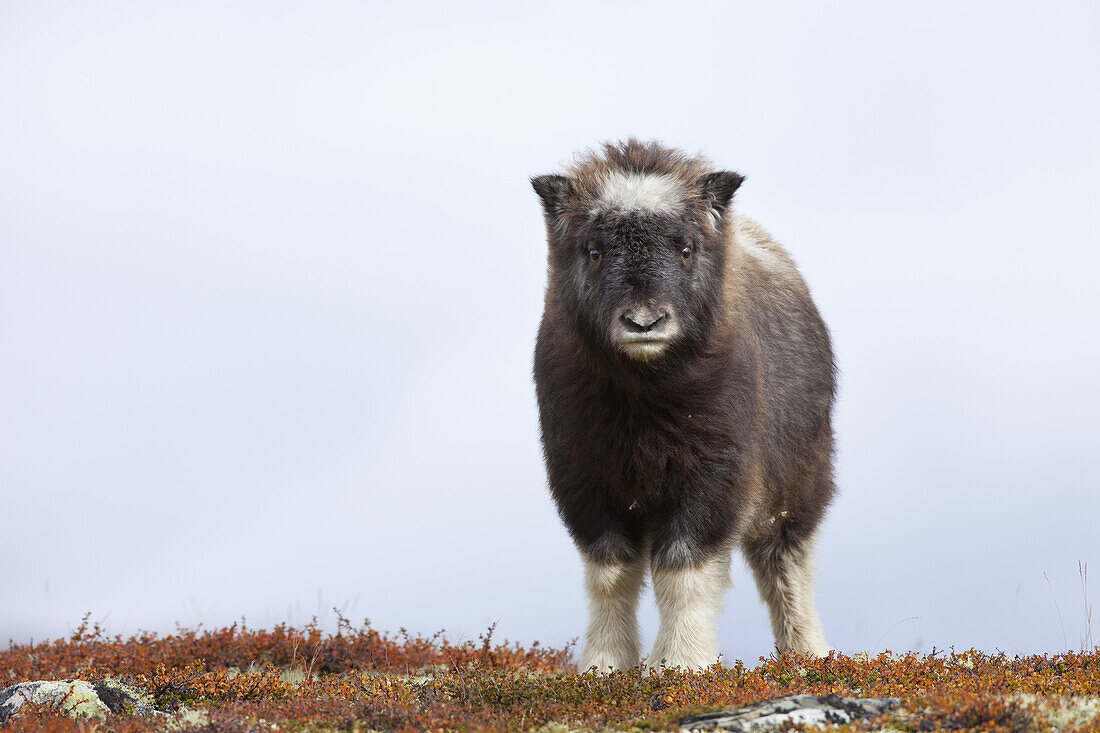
76, 698
121, 699
794, 709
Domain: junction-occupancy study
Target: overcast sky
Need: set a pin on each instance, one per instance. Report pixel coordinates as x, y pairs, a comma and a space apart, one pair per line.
270, 276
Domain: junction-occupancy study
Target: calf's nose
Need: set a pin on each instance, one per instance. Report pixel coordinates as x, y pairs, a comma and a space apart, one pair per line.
644, 318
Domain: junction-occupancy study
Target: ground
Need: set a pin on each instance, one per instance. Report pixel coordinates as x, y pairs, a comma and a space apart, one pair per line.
292, 679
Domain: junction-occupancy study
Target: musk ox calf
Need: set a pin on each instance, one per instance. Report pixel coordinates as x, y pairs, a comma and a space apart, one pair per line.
685, 382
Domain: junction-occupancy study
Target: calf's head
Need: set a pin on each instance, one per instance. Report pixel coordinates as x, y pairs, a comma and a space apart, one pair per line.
636, 255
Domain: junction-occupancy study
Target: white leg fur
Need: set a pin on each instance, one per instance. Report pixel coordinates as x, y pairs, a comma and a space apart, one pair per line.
612, 639
690, 601
785, 578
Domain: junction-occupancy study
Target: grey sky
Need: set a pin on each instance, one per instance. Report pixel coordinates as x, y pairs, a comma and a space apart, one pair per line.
270, 276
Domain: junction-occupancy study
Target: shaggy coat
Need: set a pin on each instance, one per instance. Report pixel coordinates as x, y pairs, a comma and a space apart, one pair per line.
685, 382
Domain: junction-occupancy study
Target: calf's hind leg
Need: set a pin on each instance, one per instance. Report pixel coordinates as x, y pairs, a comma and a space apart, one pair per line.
612, 640
784, 572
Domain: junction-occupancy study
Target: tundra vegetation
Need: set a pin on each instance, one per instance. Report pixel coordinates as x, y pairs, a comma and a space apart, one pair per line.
357, 679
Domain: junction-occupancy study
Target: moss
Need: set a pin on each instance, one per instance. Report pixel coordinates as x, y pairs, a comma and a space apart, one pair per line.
1065, 713
186, 719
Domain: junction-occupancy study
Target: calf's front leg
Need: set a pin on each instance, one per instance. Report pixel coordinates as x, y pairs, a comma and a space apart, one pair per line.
612, 640
689, 600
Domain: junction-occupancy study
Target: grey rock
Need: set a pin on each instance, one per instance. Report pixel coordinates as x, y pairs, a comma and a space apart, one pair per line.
79, 699
122, 699
76, 697
798, 709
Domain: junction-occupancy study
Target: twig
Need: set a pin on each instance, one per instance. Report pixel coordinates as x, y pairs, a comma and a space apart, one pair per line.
1083, 571
899, 623
1050, 585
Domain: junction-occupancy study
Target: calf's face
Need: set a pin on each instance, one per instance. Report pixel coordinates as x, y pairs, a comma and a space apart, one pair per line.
635, 280
636, 260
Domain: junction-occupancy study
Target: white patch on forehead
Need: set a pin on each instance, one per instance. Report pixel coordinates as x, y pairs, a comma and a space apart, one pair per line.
640, 192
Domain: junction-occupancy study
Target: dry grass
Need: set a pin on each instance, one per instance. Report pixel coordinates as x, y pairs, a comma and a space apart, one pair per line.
358, 679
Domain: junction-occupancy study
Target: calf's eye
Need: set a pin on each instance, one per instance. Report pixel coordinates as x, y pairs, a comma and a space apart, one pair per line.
594, 255
685, 252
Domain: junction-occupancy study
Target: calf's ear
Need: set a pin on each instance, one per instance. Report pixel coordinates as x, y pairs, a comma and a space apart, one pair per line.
554, 191
719, 187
